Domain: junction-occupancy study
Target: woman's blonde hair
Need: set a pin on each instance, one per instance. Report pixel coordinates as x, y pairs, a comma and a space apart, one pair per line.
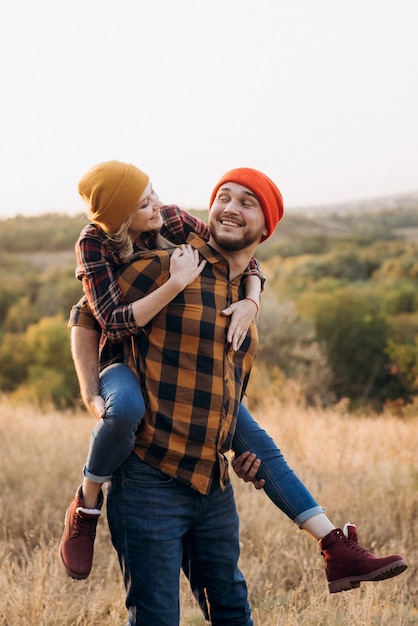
124, 246
121, 240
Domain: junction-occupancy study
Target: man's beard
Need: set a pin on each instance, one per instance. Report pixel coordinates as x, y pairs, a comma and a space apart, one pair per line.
225, 242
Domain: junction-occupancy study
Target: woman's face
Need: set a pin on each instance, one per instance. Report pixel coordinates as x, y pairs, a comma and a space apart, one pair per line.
146, 216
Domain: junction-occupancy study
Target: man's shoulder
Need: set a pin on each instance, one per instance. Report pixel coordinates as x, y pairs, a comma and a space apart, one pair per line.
145, 256
144, 273
202, 246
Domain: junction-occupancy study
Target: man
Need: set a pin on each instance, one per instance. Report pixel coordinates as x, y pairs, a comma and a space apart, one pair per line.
171, 504
180, 371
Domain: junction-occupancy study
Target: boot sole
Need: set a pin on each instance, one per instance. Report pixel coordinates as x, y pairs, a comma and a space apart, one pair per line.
353, 582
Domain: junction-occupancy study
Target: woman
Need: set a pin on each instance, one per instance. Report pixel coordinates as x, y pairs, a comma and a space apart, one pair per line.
126, 216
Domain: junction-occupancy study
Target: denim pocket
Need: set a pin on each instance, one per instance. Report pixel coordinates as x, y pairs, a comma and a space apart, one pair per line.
137, 471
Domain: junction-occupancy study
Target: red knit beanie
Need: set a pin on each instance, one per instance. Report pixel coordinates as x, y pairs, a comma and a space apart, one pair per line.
266, 191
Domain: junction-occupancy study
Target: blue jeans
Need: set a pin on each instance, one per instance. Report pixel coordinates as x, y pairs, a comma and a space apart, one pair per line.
159, 526
282, 486
113, 439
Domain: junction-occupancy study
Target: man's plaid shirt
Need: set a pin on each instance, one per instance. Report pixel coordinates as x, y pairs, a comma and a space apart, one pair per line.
193, 384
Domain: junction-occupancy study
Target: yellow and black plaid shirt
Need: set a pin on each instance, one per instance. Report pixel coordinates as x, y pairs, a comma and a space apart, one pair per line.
193, 384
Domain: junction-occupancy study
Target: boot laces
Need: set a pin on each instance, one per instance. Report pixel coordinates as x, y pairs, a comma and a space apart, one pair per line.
84, 526
356, 547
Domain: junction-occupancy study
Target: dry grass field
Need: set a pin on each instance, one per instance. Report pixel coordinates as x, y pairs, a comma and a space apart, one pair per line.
362, 469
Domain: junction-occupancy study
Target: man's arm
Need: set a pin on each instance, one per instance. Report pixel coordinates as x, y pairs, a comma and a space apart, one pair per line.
85, 352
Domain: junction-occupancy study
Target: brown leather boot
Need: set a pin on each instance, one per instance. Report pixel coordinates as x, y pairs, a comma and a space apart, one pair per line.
77, 543
347, 563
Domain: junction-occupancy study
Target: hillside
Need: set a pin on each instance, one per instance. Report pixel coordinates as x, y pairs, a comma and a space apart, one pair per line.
339, 315
390, 217
406, 201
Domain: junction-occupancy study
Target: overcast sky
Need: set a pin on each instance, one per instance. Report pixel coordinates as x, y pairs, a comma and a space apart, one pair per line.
322, 95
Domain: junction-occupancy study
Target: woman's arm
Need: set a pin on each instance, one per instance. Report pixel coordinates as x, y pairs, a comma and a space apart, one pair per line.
96, 267
243, 312
184, 268
85, 339
178, 224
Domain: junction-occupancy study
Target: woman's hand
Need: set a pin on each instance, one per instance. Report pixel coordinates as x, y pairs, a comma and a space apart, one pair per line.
242, 314
185, 266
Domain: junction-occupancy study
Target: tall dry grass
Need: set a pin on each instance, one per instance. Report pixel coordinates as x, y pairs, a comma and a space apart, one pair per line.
362, 469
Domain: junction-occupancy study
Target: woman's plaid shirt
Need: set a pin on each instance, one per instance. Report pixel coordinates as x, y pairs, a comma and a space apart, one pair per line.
193, 384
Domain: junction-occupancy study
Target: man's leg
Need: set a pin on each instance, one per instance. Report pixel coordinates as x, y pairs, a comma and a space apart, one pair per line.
149, 513
211, 552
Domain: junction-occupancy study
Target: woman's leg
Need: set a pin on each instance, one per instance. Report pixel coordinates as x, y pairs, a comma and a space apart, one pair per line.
282, 485
111, 443
113, 437
347, 563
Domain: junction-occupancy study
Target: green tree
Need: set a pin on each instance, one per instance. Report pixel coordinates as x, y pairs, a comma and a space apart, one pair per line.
287, 342
355, 332
14, 361
37, 365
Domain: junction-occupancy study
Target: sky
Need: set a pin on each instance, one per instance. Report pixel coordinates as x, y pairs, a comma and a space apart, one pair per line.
321, 95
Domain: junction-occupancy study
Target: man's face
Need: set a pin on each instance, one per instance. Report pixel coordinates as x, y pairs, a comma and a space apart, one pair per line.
236, 219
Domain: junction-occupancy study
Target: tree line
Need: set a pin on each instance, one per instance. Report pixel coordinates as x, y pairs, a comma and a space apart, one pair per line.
339, 314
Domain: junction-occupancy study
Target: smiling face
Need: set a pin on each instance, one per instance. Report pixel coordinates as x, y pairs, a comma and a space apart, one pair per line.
236, 219
147, 214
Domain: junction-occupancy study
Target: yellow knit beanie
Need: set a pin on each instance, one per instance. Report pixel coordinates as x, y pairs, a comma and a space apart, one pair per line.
111, 191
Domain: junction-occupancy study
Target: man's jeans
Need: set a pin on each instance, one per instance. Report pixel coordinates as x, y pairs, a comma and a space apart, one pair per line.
159, 526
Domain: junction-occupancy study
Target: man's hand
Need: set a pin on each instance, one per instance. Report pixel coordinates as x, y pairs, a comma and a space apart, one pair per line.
246, 467
96, 405
85, 351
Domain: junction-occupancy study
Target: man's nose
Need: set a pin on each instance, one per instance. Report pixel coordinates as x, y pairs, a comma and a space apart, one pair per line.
231, 207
